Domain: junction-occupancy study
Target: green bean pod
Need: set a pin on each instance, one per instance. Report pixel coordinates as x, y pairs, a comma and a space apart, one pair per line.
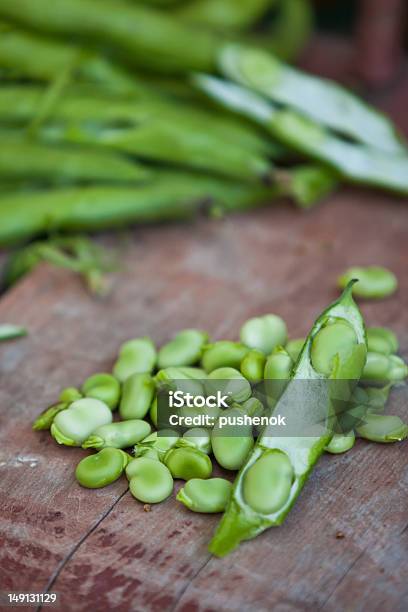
137, 396
104, 387
223, 353
149, 480
264, 333
207, 496
278, 466
338, 109
186, 462
184, 350
358, 163
73, 426
101, 469
37, 161
135, 357
382, 428
122, 434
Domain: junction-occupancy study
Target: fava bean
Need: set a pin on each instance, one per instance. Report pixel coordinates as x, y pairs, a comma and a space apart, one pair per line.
268, 481
294, 347
121, 434
223, 353
252, 365
264, 333
102, 468
381, 340
74, 425
341, 443
230, 382
153, 412
135, 357
200, 438
186, 462
336, 338
277, 371
180, 379
149, 480
374, 281
184, 350
160, 443
398, 369
70, 394
137, 395
383, 428
207, 496
104, 387
231, 443
46, 418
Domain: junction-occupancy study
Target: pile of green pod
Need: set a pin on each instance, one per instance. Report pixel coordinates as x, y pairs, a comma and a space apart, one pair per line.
115, 415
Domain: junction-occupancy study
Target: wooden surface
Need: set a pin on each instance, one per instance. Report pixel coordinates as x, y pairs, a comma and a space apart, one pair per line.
98, 549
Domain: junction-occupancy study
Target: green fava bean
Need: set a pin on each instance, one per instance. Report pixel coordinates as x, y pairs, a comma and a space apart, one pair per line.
231, 443
206, 496
181, 379
137, 395
223, 353
46, 418
381, 340
377, 397
160, 443
153, 412
149, 480
264, 333
376, 367
398, 369
374, 281
383, 428
74, 425
200, 438
336, 338
229, 382
104, 387
277, 372
267, 482
69, 395
101, 469
135, 357
294, 347
121, 434
341, 443
184, 350
252, 365
187, 462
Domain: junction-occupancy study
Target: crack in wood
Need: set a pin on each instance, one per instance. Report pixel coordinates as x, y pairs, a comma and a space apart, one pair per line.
340, 580
76, 547
183, 591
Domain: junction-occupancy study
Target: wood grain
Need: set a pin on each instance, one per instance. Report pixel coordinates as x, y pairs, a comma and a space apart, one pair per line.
99, 549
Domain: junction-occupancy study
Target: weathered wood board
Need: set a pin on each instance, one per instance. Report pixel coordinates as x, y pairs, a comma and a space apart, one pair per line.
98, 549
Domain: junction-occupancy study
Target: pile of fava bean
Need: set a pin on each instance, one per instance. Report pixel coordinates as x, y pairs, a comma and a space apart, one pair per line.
84, 417
151, 460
